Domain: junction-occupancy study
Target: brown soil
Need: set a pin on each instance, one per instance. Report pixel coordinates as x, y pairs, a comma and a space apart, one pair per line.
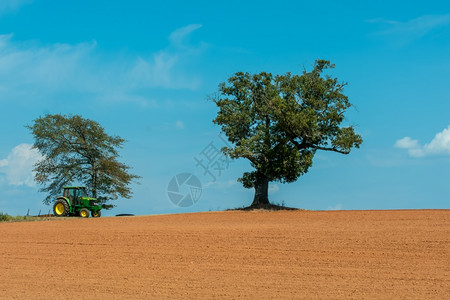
236, 254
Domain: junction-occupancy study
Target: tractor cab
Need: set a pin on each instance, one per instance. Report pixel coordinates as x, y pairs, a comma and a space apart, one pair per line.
75, 194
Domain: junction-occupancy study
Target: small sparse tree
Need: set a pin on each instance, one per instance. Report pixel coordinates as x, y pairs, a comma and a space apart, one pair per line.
78, 150
279, 122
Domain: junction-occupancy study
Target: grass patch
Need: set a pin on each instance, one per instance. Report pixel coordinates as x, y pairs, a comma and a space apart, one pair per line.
7, 218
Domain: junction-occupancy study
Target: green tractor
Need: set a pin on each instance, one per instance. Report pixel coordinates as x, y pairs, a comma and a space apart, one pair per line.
76, 202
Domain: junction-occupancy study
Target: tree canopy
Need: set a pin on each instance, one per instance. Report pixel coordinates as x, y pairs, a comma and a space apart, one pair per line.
78, 150
279, 122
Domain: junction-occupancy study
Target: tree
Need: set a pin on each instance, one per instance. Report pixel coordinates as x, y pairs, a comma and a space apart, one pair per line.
279, 122
78, 150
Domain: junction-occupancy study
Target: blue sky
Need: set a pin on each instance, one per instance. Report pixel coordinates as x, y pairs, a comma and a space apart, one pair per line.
144, 70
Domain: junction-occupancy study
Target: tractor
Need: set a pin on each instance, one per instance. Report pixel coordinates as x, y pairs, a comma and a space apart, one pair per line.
76, 202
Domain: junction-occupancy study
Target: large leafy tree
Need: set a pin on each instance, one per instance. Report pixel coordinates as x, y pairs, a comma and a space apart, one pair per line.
279, 122
78, 150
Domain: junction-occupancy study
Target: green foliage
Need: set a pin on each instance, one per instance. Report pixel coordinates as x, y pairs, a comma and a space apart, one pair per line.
4, 217
279, 122
78, 150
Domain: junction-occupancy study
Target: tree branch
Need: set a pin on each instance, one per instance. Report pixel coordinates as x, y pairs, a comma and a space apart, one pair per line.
334, 149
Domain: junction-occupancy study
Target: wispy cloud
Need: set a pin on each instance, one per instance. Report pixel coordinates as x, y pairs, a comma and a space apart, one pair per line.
381, 158
11, 5
18, 165
178, 37
273, 188
405, 32
160, 69
335, 207
54, 67
3, 163
218, 185
439, 145
30, 68
180, 125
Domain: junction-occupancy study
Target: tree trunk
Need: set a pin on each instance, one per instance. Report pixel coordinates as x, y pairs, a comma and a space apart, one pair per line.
94, 181
261, 191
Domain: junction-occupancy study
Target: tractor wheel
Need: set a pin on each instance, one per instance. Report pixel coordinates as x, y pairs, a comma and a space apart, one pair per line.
61, 208
84, 213
96, 214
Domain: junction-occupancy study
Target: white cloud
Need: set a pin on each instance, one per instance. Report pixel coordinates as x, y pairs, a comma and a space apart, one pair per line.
413, 147
439, 145
18, 166
30, 70
10, 5
407, 143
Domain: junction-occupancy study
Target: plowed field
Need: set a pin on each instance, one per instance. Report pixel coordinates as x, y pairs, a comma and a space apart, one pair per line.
287, 254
